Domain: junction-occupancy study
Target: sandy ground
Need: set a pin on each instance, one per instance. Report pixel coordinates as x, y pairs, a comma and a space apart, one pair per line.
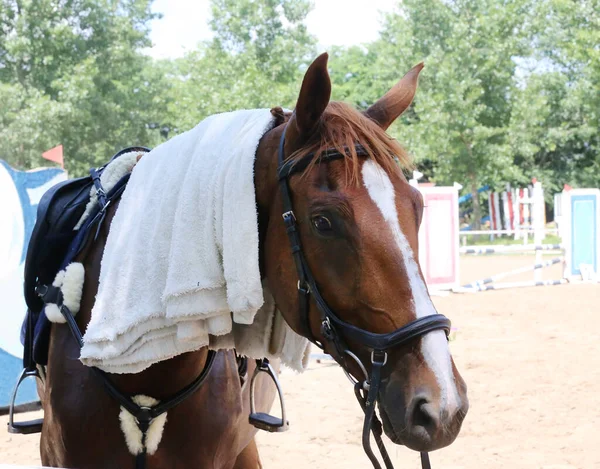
531, 359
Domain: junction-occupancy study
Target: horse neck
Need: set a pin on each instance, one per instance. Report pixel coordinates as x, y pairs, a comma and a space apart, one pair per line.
266, 187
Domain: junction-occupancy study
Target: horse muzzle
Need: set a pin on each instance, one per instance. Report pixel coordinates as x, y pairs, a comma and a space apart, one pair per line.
421, 422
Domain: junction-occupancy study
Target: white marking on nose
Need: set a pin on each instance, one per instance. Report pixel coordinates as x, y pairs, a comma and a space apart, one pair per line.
434, 345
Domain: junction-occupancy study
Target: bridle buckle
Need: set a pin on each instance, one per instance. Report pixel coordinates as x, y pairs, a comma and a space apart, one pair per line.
326, 329
379, 353
289, 216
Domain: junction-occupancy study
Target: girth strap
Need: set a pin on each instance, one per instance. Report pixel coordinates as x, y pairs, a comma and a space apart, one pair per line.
143, 415
140, 458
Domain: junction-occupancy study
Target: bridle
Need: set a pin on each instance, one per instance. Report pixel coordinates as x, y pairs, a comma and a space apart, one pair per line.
334, 330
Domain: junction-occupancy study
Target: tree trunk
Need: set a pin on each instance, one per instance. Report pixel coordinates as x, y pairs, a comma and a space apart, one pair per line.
476, 225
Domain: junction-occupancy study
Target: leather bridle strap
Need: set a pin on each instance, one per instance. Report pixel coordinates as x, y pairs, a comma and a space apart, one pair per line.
334, 330
371, 422
289, 220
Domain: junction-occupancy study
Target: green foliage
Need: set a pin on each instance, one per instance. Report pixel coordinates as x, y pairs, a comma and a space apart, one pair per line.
29, 124
255, 60
42, 40
510, 90
458, 125
555, 126
72, 73
462, 108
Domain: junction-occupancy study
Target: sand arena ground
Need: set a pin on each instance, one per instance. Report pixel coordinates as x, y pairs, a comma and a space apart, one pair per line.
531, 359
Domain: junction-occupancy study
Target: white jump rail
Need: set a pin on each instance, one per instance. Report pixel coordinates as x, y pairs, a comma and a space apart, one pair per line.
491, 249
505, 285
479, 284
507, 232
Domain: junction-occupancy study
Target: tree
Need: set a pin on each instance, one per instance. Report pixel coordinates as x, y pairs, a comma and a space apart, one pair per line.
256, 59
510, 89
462, 110
76, 76
28, 122
555, 129
44, 40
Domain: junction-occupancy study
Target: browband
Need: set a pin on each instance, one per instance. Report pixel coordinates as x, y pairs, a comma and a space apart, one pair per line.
292, 166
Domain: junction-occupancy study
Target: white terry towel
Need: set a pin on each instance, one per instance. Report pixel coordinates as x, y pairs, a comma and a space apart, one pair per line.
265, 337
182, 253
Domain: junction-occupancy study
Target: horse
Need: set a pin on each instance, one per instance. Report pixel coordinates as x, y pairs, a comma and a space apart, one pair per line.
342, 266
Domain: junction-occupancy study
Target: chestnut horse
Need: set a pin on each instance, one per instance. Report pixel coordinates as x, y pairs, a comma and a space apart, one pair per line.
352, 238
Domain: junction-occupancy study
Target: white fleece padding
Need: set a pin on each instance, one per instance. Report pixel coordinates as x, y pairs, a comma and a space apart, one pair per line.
256, 340
180, 266
133, 435
70, 281
115, 170
53, 314
72, 287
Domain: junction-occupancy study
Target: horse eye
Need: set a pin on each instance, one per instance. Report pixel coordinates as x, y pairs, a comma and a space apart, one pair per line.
321, 223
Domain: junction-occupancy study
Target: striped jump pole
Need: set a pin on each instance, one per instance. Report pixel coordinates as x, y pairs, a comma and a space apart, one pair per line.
479, 284
505, 285
510, 248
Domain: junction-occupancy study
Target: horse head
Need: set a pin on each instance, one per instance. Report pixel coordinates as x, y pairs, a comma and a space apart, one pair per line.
357, 220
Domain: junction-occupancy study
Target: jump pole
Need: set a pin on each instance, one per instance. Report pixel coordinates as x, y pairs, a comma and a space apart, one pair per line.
479, 284
491, 249
505, 285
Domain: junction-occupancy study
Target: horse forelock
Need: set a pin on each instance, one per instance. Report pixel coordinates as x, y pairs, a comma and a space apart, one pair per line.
341, 128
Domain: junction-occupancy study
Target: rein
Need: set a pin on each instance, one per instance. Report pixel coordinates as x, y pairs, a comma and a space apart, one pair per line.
334, 330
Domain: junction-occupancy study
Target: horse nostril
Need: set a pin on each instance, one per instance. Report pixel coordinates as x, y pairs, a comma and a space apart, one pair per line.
424, 415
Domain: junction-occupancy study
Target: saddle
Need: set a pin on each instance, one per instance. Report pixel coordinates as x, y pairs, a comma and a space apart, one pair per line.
59, 210
54, 243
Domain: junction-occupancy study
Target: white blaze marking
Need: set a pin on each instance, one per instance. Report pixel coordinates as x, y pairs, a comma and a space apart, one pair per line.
434, 345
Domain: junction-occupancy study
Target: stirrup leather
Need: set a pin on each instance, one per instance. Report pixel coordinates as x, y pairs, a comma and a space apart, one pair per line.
29, 426
263, 420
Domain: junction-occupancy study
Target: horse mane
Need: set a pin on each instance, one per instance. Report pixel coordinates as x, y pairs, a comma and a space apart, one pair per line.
342, 127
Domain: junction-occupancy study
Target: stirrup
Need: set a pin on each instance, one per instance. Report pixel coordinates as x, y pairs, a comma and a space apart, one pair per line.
262, 420
29, 426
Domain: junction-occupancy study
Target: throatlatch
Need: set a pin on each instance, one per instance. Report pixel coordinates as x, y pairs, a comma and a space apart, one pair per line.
263, 420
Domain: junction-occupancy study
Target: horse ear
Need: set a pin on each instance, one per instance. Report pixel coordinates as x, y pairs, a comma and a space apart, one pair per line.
313, 99
391, 106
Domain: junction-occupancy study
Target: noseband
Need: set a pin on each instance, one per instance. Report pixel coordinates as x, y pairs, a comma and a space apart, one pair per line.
334, 330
